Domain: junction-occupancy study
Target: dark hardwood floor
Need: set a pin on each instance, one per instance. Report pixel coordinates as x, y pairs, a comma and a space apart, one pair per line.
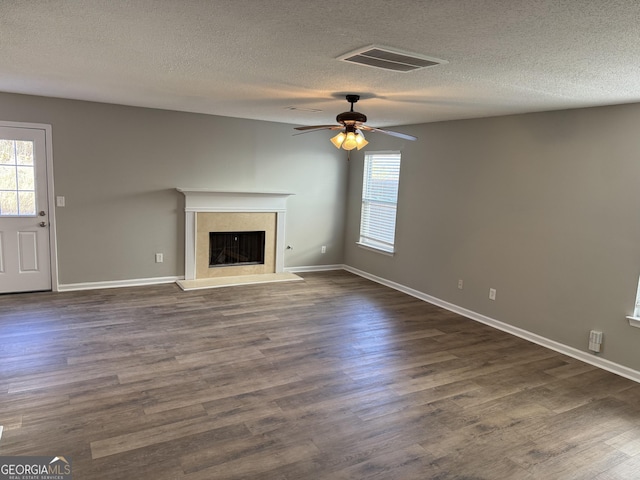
332, 378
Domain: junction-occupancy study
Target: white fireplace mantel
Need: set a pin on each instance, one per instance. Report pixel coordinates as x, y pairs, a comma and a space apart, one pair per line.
206, 200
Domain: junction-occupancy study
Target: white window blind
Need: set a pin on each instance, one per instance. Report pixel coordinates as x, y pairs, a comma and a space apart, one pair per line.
379, 200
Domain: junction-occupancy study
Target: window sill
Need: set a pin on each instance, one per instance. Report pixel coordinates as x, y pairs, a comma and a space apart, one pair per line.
634, 321
374, 249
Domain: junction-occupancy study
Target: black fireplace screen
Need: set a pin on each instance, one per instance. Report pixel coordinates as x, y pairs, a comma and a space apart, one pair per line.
236, 248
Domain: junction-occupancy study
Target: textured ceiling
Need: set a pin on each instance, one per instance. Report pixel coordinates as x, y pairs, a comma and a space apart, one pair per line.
254, 58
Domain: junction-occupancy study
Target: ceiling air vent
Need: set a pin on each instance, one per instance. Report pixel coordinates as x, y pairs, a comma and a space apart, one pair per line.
390, 59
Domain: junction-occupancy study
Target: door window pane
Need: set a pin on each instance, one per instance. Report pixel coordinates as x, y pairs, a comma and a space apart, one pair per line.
7, 153
27, 203
24, 152
8, 178
26, 180
8, 203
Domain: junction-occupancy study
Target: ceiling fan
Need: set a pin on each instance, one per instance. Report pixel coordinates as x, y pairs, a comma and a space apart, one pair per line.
351, 128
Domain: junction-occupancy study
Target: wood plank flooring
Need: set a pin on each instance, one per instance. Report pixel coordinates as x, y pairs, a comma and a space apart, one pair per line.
332, 378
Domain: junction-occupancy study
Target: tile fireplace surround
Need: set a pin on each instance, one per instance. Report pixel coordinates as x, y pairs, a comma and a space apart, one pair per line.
202, 201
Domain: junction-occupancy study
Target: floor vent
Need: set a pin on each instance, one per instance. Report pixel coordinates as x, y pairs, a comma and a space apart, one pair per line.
389, 59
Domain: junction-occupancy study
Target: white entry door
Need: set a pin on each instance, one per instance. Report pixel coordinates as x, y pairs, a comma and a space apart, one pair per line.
25, 256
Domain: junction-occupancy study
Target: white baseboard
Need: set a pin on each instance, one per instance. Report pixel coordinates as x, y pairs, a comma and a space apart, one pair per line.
136, 282
314, 268
586, 357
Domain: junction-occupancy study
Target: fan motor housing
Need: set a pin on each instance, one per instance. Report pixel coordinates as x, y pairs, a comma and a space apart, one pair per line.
351, 117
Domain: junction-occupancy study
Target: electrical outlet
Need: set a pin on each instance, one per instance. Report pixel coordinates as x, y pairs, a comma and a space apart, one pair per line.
595, 340
460, 284
492, 294
323, 249
159, 258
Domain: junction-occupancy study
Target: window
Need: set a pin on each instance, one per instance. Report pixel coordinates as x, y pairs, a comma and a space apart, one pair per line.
17, 178
634, 320
379, 200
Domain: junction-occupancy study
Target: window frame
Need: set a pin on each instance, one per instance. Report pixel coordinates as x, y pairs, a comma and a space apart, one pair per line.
379, 244
23, 194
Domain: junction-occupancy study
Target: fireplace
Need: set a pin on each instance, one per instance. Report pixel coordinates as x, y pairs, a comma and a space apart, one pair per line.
232, 212
236, 248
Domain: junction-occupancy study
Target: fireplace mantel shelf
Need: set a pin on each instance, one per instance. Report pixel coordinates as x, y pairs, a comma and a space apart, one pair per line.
209, 200
186, 191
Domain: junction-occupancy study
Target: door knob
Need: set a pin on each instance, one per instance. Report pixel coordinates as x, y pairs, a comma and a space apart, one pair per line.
43, 224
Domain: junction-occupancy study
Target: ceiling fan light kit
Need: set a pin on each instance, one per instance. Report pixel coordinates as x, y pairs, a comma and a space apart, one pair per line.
352, 125
349, 139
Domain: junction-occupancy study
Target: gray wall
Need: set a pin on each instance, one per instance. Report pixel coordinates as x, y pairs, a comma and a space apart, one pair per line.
543, 207
118, 168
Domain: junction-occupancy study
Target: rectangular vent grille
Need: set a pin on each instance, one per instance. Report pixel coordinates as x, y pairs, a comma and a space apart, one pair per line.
389, 59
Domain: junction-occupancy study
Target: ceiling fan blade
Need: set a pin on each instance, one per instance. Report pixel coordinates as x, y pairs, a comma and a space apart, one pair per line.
318, 127
388, 132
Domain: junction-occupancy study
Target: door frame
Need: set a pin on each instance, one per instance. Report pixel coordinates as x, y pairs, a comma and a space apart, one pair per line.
48, 144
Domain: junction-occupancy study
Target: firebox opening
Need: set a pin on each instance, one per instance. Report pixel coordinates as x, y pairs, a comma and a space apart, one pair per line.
236, 248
